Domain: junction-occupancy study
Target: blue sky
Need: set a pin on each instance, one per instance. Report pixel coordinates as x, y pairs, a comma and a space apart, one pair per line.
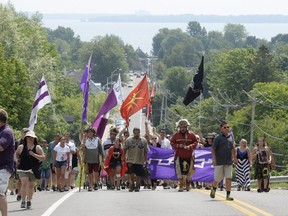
197, 7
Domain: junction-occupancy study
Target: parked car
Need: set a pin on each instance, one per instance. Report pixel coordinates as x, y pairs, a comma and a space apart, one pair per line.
130, 85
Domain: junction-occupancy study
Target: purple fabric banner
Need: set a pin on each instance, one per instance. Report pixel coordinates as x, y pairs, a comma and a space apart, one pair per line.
85, 88
162, 164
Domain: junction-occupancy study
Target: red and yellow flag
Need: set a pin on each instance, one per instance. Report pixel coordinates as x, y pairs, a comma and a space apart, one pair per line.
136, 100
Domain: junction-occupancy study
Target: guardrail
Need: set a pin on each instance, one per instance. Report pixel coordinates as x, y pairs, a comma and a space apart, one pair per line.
273, 179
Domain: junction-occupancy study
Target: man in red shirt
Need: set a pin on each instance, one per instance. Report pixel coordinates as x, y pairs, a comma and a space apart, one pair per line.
184, 142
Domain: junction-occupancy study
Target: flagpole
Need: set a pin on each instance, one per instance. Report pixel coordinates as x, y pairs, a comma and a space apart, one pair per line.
84, 95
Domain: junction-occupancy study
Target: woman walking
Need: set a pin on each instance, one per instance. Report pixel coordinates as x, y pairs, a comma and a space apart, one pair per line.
243, 166
93, 153
262, 159
114, 163
29, 155
61, 162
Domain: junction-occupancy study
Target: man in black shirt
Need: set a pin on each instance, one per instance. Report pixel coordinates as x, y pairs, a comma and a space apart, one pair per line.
223, 153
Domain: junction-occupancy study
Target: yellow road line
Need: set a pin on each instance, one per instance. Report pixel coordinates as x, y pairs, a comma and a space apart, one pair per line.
242, 205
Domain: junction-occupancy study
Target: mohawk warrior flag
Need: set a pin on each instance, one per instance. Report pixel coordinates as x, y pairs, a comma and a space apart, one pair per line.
85, 88
196, 86
41, 99
136, 100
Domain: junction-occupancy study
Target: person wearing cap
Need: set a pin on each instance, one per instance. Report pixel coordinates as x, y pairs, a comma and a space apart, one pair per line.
93, 156
223, 154
115, 163
184, 143
30, 155
7, 150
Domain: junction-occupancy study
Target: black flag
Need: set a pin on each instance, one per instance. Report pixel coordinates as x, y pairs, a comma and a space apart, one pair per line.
196, 87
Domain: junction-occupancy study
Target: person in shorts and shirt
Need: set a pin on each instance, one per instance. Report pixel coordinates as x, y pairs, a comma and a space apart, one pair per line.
224, 154
7, 150
136, 150
61, 162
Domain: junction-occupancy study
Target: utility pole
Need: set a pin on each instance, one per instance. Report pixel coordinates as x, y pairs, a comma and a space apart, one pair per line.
162, 107
252, 118
165, 106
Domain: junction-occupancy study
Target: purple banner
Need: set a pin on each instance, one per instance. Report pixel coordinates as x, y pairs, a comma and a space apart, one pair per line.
162, 164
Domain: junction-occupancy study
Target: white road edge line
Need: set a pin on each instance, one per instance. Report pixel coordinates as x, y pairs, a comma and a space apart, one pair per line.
52, 208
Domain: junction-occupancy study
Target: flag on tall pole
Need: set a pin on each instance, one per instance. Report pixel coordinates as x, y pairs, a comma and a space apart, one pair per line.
114, 98
196, 86
149, 106
41, 99
85, 88
136, 100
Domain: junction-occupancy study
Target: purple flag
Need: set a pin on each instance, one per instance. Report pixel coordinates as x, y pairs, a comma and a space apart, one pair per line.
85, 88
114, 98
162, 164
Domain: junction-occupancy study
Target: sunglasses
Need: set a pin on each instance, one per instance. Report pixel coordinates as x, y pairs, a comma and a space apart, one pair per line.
226, 127
154, 138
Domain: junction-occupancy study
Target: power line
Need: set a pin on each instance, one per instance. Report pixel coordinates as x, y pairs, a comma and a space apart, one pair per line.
277, 138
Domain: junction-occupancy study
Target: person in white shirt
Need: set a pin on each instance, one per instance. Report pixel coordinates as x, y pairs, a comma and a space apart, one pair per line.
165, 144
61, 162
69, 174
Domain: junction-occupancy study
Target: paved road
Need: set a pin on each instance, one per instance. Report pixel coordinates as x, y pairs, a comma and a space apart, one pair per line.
147, 202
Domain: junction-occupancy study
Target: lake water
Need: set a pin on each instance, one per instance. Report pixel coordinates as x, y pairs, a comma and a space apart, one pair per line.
141, 34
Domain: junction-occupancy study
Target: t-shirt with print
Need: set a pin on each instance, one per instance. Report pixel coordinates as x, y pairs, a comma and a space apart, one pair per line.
61, 152
136, 150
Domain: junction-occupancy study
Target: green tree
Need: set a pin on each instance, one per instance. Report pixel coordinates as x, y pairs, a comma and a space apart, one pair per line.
263, 68
177, 80
15, 93
235, 34
194, 29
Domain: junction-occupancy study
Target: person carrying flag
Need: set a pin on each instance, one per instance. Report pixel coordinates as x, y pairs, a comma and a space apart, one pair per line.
184, 143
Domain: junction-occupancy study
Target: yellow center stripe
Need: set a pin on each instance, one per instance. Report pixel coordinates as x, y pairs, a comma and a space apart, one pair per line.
241, 206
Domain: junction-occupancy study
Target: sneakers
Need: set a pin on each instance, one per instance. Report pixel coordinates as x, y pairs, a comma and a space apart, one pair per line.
18, 197
229, 198
11, 193
23, 204
212, 193
28, 205
89, 189
238, 188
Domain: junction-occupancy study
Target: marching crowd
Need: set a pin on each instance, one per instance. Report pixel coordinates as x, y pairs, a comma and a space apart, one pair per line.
121, 161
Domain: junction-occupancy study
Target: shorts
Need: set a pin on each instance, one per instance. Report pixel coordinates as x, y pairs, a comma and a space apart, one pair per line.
4, 179
60, 164
222, 171
93, 167
136, 169
27, 174
115, 164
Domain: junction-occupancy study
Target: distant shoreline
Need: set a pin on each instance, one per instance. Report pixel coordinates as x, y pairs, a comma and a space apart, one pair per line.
185, 18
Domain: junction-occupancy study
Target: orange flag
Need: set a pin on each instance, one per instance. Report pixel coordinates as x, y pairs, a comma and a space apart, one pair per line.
136, 100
